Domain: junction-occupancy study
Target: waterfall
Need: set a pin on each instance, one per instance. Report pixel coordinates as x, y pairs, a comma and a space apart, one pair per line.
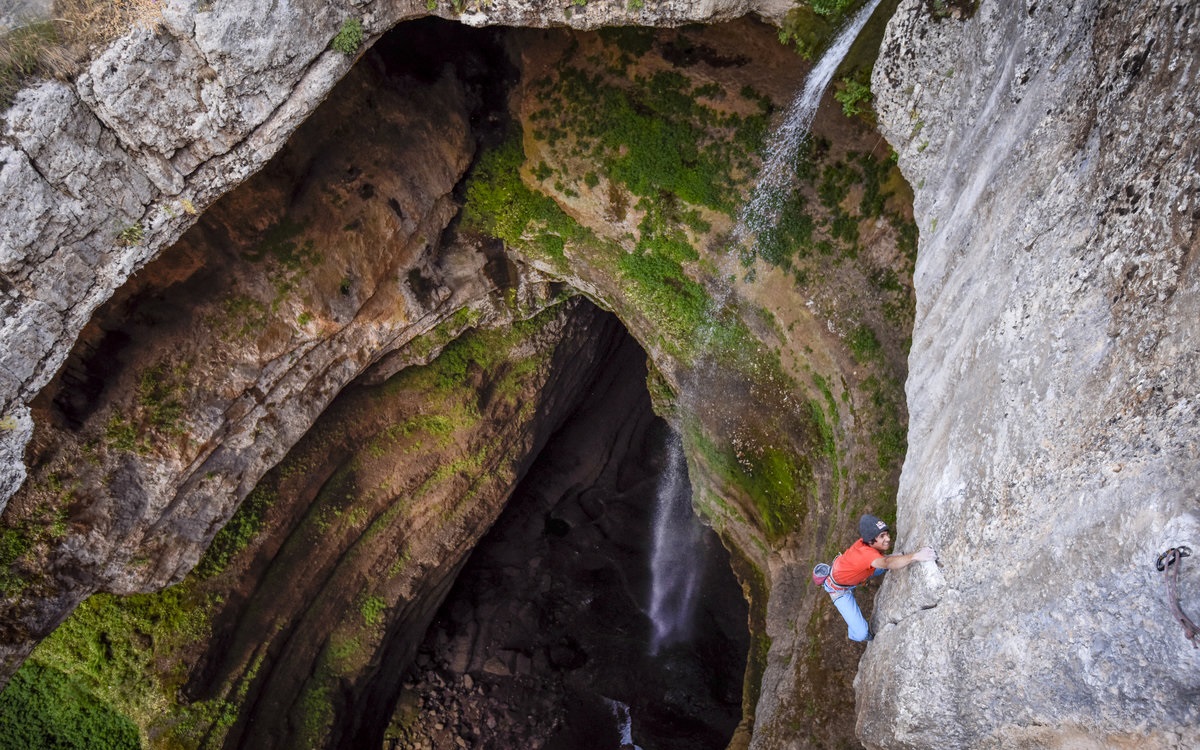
675, 563
624, 723
774, 179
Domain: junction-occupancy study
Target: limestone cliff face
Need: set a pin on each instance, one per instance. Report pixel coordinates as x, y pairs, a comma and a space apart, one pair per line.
1052, 389
209, 365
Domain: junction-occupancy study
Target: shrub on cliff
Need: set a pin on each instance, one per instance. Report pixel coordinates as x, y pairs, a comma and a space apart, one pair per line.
349, 38
43, 708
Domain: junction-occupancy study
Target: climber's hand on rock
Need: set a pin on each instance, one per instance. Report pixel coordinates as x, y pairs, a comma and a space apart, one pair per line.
925, 554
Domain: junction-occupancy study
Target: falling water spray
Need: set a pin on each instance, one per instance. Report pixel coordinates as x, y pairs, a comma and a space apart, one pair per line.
774, 184
675, 564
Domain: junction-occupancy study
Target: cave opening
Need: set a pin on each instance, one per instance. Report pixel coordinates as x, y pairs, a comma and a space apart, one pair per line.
547, 637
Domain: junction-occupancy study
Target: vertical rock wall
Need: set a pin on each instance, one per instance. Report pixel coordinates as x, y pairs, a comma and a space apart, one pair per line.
1053, 444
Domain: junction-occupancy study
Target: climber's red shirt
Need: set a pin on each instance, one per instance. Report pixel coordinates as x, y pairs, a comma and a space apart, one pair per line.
853, 566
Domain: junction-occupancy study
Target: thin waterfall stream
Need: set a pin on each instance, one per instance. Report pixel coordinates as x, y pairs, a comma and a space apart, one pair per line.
761, 211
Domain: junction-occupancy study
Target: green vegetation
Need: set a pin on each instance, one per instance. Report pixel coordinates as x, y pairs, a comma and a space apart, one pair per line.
349, 37
499, 203
833, 8
777, 481
158, 410
241, 317
53, 48
649, 133
443, 332
806, 237
131, 235
101, 665
279, 242
855, 95
237, 534
13, 546
27, 51
806, 30
372, 610
631, 40
658, 146
122, 660
864, 345
43, 708
160, 393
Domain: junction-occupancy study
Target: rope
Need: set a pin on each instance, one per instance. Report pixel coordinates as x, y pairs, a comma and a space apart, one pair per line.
1169, 563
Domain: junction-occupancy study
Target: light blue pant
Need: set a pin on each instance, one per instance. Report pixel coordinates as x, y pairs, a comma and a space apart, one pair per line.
857, 627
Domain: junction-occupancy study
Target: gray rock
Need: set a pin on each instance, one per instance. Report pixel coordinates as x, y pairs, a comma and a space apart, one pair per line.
1052, 445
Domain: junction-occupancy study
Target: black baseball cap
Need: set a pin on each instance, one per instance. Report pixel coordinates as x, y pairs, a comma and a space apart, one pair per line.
870, 527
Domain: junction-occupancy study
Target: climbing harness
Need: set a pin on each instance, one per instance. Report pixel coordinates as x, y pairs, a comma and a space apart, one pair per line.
1169, 563
823, 577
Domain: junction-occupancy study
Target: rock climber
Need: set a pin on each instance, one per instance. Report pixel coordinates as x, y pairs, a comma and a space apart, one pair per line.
865, 559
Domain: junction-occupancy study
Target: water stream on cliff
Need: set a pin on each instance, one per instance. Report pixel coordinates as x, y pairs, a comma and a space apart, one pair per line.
674, 564
762, 209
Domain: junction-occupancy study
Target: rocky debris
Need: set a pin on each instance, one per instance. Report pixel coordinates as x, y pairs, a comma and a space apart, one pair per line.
1052, 451
442, 709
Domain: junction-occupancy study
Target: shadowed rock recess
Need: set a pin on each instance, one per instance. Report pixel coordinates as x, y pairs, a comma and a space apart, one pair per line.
343, 347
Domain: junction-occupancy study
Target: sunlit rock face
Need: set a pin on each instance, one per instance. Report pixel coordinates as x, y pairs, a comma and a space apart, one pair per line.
1052, 390
195, 379
125, 146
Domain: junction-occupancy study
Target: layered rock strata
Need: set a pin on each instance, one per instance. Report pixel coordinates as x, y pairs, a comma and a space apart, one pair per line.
208, 366
374, 513
98, 177
1052, 450
547, 630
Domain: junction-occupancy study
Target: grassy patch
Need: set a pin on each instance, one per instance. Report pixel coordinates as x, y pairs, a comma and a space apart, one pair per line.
110, 647
499, 203
158, 410
237, 534
649, 133
372, 610
776, 481
349, 37
53, 48
14, 544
